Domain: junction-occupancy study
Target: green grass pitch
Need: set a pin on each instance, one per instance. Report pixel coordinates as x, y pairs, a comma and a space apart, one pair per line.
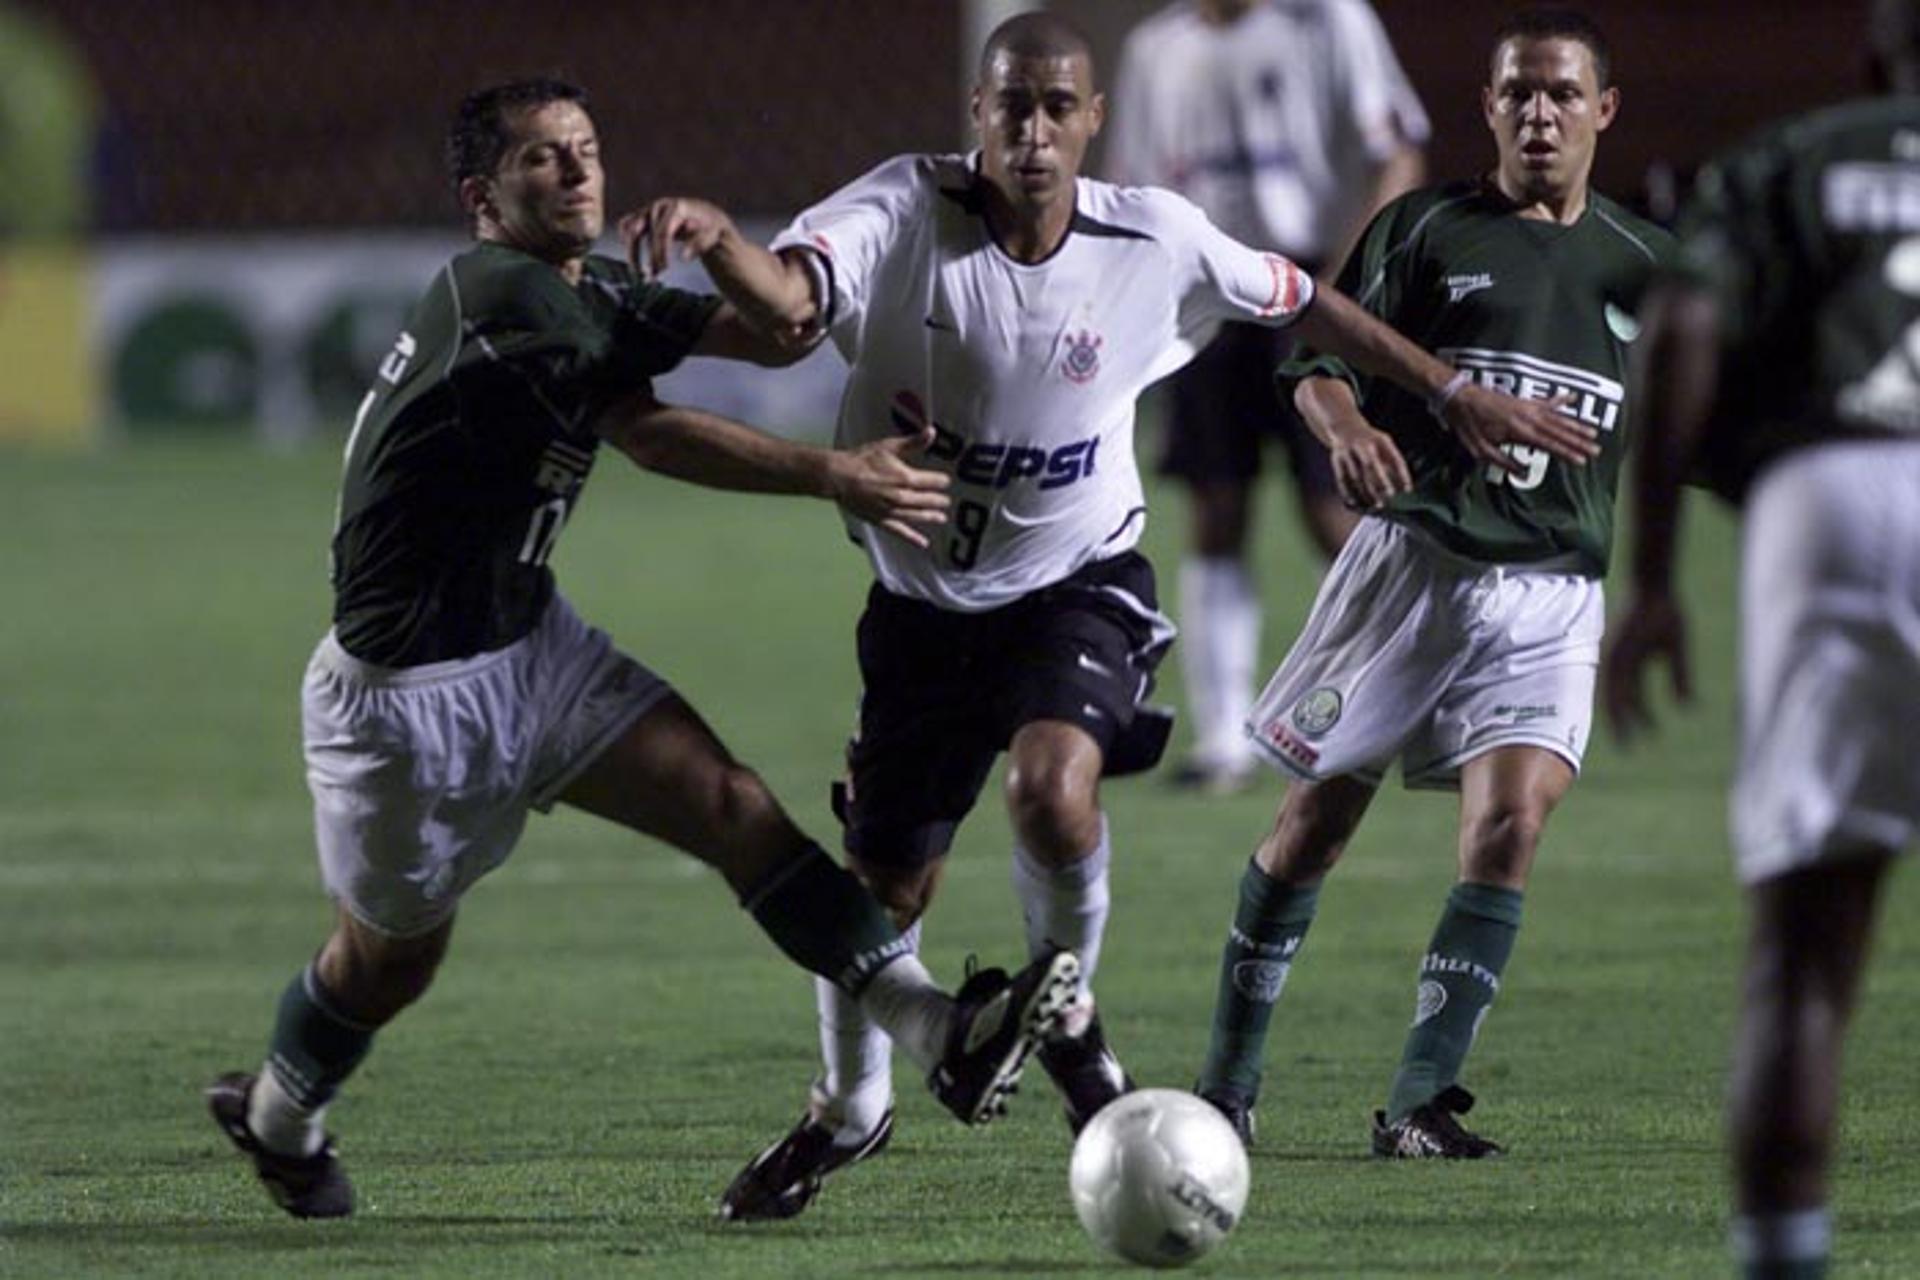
611, 1036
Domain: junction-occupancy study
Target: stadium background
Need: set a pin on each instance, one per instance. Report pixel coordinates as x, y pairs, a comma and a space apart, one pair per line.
261, 186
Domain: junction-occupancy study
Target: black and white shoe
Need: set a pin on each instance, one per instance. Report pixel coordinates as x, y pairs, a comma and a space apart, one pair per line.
1236, 1107
1430, 1131
783, 1180
312, 1186
999, 1021
1085, 1071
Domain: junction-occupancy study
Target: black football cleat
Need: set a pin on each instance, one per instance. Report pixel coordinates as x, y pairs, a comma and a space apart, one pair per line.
998, 1021
1236, 1107
1430, 1131
783, 1180
1085, 1071
312, 1186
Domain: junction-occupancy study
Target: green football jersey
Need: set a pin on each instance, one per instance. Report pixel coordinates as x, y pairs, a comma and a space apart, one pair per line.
1810, 235
1527, 307
469, 452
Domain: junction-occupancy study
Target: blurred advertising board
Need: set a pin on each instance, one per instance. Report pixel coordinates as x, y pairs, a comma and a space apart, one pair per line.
280, 336
48, 391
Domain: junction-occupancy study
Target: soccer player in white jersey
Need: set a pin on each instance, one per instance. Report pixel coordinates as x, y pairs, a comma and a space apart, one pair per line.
1792, 318
1290, 125
1017, 309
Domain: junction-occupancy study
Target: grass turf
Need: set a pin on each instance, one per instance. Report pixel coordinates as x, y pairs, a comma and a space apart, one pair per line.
611, 1037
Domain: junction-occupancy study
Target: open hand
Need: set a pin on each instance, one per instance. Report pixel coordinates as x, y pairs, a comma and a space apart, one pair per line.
1484, 420
650, 233
1652, 628
876, 483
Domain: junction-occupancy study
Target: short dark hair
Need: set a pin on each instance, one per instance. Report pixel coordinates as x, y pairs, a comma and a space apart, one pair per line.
479, 138
1035, 35
1559, 24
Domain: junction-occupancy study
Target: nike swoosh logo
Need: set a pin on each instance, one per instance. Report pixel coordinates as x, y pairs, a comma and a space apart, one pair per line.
1089, 664
940, 325
986, 1024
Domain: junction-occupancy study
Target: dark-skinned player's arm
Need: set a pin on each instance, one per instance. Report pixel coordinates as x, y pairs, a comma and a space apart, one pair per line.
1679, 353
770, 315
1482, 420
875, 483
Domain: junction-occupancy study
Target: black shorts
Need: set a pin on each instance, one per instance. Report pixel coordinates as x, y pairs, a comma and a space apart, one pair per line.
1224, 405
945, 691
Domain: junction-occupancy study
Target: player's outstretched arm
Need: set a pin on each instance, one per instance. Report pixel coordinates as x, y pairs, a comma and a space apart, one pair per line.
1367, 464
772, 294
1679, 351
1483, 420
876, 483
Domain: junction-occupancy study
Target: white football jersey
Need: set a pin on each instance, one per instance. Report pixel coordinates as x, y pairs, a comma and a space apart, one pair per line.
1028, 372
1274, 124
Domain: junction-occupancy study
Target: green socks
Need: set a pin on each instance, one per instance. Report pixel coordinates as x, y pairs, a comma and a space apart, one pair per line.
825, 920
1268, 926
315, 1047
1458, 979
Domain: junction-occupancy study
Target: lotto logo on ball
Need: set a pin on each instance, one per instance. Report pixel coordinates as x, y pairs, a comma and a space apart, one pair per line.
1159, 1177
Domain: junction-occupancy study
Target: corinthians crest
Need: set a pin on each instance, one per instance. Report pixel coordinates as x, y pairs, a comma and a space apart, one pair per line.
1083, 356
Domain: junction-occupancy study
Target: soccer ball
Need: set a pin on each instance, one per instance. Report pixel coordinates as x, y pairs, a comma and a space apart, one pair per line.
1158, 1177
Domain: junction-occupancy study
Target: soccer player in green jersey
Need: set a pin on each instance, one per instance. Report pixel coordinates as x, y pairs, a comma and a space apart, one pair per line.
1459, 630
1781, 368
457, 689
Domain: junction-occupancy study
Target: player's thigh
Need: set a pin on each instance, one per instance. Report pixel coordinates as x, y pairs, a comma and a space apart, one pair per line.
1830, 664
1381, 646
1083, 653
418, 779
925, 741
667, 775
1528, 680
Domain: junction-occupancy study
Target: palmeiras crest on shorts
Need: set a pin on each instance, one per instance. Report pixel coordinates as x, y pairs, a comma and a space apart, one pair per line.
1318, 711
1082, 360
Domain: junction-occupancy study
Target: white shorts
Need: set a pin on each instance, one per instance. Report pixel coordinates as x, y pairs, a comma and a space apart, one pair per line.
1830, 659
1412, 653
422, 776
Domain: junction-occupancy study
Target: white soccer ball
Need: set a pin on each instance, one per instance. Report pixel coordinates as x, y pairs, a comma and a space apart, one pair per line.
1158, 1177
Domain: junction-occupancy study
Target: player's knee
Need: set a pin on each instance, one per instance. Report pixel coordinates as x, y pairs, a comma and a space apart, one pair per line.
372, 979
1053, 812
1500, 843
1309, 836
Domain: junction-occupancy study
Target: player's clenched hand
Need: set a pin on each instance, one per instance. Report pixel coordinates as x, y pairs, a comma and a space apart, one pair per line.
1652, 628
651, 233
1368, 466
1484, 420
877, 484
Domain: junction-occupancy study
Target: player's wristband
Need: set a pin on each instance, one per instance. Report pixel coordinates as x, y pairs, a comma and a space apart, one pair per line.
1437, 403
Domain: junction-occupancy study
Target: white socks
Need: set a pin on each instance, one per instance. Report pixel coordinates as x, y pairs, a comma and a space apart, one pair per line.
1067, 907
856, 1037
1219, 650
283, 1125
1762, 1241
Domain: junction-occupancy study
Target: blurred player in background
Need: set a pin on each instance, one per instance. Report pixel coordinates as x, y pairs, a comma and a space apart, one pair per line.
1019, 310
1459, 630
1782, 368
1290, 125
457, 689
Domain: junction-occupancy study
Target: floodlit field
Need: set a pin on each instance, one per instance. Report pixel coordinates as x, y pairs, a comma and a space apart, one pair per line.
611, 1037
